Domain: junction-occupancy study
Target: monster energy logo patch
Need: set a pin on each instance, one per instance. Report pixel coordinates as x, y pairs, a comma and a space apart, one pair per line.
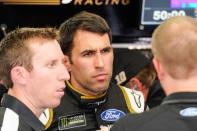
71, 121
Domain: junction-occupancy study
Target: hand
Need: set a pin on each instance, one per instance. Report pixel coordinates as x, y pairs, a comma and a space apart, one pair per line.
104, 128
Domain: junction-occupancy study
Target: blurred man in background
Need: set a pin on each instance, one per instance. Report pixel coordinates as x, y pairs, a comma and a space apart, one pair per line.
134, 69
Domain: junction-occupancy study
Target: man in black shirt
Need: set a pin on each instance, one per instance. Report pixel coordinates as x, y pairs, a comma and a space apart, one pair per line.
32, 68
174, 45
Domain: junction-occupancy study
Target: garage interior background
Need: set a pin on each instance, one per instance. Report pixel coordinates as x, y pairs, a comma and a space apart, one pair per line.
123, 16
131, 21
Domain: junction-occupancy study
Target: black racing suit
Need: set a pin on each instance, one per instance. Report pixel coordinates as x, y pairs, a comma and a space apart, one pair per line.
78, 112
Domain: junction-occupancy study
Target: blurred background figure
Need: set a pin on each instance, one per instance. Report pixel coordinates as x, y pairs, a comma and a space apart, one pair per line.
134, 69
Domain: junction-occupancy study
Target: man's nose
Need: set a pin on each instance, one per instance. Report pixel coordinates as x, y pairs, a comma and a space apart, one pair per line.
64, 73
99, 60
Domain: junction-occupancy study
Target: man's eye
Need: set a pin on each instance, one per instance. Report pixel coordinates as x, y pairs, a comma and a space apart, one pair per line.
88, 54
106, 50
52, 64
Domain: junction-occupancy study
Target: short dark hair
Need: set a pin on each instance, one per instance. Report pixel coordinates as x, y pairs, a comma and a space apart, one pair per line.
82, 21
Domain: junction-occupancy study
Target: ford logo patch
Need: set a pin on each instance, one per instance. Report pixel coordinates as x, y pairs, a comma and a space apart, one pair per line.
112, 115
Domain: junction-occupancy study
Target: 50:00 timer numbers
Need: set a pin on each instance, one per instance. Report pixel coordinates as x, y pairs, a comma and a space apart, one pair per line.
163, 15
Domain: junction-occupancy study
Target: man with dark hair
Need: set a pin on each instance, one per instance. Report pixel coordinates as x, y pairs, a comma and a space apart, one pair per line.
32, 69
91, 101
174, 46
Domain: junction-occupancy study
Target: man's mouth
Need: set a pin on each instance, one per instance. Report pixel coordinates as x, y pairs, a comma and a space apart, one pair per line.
100, 77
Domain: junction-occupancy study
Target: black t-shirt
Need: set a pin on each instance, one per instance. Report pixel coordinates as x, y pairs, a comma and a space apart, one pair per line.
177, 112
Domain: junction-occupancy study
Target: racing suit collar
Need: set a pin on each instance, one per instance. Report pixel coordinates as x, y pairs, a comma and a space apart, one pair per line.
86, 100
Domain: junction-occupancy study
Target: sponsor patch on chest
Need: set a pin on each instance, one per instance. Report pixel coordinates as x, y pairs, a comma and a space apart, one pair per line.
189, 112
71, 121
112, 115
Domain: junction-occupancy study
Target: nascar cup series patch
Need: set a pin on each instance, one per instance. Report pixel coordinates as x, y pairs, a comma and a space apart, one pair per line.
71, 121
112, 115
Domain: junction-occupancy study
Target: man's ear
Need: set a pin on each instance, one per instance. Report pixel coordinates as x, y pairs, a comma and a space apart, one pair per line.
67, 63
134, 83
19, 75
159, 68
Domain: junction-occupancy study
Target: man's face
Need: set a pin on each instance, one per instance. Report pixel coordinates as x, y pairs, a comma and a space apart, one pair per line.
91, 62
46, 81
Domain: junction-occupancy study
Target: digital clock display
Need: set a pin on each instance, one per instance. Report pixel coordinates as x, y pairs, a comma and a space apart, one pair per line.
156, 11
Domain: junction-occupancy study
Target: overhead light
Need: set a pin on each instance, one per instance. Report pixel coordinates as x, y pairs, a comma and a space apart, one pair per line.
66, 1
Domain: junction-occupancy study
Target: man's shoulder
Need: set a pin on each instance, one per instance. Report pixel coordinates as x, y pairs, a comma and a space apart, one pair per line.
8, 116
142, 121
134, 99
